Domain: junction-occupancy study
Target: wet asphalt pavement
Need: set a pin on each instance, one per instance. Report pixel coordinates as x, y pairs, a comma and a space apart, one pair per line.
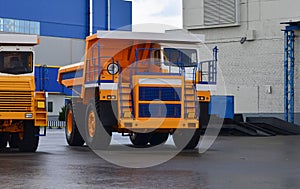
232, 162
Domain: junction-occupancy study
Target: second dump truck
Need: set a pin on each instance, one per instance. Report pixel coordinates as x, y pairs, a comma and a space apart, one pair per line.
22, 109
143, 85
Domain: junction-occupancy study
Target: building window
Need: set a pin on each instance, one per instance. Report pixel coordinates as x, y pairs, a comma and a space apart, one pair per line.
19, 26
50, 106
220, 12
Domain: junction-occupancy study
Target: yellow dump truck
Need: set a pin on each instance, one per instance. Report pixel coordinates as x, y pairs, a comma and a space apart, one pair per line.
22, 109
143, 85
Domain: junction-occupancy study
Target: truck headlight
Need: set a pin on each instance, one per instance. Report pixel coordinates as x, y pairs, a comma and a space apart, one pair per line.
113, 68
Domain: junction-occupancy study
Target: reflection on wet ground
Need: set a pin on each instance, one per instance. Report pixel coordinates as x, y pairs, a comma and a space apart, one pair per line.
232, 162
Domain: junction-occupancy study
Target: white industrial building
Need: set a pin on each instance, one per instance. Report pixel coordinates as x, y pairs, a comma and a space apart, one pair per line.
251, 42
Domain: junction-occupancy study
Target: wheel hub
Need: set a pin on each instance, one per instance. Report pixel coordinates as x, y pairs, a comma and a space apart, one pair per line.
91, 124
69, 122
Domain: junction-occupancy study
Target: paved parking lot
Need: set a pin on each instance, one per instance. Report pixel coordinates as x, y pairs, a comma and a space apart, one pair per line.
232, 162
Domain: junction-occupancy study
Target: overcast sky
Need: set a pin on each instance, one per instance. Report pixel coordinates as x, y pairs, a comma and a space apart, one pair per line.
168, 12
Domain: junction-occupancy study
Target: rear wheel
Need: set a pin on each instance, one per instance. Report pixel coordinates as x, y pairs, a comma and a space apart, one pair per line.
73, 136
186, 139
139, 139
14, 140
158, 138
97, 135
30, 140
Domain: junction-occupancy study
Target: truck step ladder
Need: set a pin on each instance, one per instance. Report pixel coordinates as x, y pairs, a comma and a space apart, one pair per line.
125, 103
190, 100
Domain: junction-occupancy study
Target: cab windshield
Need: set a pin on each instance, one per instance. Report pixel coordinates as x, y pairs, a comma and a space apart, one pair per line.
181, 57
16, 62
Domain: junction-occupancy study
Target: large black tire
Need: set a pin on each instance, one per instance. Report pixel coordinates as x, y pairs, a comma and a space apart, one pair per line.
98, 136
204, 116
14, 140
158, 138
186, 139
30, 141
73, 136
3, 140
139, 139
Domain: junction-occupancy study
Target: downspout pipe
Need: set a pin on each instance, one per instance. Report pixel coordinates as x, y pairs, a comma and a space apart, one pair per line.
91, 14
108, 15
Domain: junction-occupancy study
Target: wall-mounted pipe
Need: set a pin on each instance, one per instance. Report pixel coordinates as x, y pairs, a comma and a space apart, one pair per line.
91, 16
108, 15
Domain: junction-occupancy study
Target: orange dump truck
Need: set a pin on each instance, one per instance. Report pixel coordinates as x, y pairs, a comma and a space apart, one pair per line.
143, 85
22, 109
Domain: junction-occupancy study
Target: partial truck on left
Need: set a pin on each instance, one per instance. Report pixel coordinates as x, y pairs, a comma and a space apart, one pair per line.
22, 109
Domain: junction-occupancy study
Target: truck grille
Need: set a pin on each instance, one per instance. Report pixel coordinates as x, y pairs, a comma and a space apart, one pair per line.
170, 94
161, 93
160, 110
15, 101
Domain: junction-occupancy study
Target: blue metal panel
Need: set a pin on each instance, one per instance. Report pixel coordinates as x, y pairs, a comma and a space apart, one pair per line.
66, 18
46, 80
67, 91
100, 15
121, 15
222, 106
63, 30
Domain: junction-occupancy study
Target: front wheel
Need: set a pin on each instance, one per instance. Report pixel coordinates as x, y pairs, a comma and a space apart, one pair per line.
73, 136
97, 136
30, 137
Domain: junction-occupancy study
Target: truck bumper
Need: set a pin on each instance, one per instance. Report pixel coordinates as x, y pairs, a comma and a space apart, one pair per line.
156, 123
17, 116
